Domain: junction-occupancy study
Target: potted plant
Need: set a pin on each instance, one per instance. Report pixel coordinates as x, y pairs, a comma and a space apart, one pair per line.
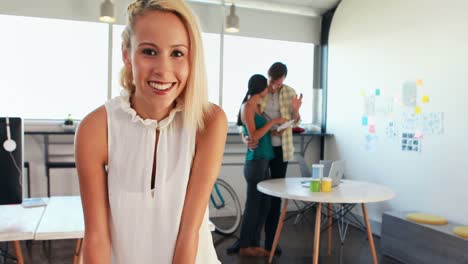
68, 124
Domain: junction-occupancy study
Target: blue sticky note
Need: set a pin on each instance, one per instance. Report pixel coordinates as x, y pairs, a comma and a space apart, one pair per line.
364, 120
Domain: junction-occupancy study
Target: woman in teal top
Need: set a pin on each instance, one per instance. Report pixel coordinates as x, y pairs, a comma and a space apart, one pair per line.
256, 166
264, 150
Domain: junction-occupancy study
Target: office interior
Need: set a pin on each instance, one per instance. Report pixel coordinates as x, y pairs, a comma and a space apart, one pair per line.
377, 76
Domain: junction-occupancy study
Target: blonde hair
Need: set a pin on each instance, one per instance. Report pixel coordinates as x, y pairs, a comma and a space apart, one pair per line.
195, 94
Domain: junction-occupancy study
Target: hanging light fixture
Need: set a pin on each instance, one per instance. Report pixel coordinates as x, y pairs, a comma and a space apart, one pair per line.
232, 20
107, 12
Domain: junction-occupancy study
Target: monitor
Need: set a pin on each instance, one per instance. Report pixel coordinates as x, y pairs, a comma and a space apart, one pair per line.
11, 160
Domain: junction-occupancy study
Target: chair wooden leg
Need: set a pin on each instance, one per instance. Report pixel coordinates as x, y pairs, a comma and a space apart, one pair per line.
278, 231
330, 222
318, 216
78, 255
369, 235
18, 253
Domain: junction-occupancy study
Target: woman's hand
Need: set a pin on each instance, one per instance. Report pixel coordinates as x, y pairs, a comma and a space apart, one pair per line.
251, 144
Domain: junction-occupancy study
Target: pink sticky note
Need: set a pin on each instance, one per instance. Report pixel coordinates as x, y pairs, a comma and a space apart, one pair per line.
398, 99
418, 134
372, 129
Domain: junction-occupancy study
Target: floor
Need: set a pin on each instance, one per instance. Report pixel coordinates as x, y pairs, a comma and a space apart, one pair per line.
296, 242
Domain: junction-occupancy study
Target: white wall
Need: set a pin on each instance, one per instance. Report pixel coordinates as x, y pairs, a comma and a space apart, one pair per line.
381, 44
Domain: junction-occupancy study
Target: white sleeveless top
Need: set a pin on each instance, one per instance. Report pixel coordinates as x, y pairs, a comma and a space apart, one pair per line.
144, 225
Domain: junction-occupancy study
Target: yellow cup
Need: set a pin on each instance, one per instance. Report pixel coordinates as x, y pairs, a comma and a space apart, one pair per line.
326, 184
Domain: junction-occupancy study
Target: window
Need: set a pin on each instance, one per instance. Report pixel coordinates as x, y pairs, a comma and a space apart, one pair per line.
117, 62
211, 48
51, 68
244, 56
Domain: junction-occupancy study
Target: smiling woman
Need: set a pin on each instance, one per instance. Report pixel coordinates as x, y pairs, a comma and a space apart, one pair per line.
162, 144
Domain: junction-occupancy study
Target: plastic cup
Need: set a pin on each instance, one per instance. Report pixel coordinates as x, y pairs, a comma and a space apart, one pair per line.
326, 184
317, 171
315, 185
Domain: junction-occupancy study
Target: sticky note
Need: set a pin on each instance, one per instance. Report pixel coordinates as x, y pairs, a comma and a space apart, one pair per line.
419, 83
377, 91
372, 129
425, 99
417, 110
371, 120
397, 99
364, 120
418, 134
363, 93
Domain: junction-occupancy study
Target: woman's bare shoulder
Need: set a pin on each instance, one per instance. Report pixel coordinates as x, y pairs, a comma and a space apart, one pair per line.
216, 113
96, 121
215, 122
91, 135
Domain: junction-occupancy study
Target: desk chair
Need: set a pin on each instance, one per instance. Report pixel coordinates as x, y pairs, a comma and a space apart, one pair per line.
28, 177
53, 164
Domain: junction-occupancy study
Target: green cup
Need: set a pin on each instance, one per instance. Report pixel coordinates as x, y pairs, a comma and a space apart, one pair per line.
315, 185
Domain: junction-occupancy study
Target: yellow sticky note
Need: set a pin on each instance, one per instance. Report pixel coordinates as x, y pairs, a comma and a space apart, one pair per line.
363, 93
418, 83
425, 99
417, 110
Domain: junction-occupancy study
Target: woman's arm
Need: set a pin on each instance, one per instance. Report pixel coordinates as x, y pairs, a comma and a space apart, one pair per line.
205, 169
91, 158
248, 117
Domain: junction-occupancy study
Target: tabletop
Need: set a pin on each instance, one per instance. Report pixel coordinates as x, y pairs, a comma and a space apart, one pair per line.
19, 223
62, 219
348, 191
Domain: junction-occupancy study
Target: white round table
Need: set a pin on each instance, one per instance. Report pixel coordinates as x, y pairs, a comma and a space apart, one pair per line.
347, 192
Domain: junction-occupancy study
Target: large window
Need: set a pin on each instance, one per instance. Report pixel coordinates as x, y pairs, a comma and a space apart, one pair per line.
211, 47
244, 56
51, 68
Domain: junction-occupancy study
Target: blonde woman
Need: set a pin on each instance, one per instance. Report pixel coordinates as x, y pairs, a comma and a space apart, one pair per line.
148, 159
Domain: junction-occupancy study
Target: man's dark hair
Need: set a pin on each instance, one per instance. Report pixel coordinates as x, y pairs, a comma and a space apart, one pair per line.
277, 70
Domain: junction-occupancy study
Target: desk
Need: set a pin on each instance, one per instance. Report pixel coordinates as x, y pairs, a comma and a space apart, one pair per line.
63, 219
348, 192
18, 223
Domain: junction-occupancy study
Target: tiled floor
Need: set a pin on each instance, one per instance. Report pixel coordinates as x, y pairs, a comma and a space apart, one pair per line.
296, 242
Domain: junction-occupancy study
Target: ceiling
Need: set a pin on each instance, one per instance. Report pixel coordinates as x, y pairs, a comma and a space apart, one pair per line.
298, 7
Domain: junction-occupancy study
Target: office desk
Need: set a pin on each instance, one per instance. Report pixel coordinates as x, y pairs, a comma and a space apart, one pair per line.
18, 223
63, 219
348, 192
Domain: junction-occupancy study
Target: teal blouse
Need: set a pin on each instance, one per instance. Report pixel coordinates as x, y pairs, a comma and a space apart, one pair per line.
264, 148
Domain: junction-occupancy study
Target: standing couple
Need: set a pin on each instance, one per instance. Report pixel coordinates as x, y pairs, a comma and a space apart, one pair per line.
266, 105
